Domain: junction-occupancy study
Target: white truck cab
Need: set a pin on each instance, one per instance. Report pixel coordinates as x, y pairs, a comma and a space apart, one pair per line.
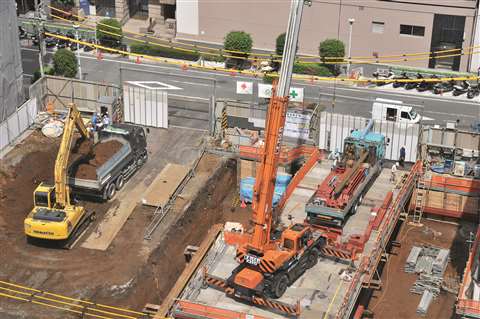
394, 111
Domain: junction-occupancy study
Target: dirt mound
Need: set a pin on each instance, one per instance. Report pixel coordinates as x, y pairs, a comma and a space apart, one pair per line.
102, 152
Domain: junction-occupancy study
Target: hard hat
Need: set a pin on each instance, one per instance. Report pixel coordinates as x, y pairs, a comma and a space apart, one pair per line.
397, 163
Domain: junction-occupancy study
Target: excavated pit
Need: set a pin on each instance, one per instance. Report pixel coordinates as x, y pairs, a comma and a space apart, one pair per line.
215, 203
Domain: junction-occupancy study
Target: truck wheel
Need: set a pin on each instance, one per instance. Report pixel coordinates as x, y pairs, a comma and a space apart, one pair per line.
111, 190
312, 259
280, 286
120, 182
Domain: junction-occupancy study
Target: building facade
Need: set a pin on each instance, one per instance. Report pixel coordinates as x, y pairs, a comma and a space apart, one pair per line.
11, 72
380, 27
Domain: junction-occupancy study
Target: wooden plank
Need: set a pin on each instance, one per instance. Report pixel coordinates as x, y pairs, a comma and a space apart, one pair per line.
164, 185
188, 272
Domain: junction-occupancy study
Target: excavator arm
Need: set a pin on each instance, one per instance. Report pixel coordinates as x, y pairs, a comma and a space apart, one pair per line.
61, 189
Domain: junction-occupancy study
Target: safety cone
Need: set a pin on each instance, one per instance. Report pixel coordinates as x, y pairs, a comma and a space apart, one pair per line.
184, 67
233, 73
243, 205
99, 55
138, 60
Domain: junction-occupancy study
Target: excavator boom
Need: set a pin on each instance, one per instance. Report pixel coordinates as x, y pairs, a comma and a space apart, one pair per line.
73, 120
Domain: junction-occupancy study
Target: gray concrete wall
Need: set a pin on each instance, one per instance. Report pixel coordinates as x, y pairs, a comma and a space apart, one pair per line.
11, 78
265, 20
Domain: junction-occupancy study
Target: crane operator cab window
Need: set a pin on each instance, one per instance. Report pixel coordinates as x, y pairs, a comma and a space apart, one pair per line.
288, 244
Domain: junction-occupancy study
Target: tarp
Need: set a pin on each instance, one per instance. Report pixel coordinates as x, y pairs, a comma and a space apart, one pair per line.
247, 184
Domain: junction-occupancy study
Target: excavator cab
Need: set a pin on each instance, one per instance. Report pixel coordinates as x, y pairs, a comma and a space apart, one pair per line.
44, 196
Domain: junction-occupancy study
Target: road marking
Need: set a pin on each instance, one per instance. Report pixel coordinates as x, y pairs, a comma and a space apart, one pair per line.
189, 97
154, 85
28, 49
191, 83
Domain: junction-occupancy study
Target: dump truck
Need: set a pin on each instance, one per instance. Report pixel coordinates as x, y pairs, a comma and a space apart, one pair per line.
342, 191
102, 181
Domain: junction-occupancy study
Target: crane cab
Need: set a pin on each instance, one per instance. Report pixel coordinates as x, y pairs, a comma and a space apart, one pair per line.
296, 237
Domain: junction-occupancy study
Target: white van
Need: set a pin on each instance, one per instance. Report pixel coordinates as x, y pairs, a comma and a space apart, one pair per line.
394, 111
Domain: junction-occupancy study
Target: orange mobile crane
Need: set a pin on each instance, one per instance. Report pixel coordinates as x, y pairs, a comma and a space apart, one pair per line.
268, 265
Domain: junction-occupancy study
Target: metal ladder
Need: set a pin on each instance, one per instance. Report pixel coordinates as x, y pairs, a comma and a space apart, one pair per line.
420, 199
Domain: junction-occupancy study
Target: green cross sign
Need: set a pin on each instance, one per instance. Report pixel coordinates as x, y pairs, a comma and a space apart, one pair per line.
293, 94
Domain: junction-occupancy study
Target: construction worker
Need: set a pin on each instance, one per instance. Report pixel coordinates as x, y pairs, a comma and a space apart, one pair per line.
393, 176
401, 160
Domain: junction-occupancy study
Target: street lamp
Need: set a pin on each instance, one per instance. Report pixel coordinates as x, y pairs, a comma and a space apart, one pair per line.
350, 22
76, 26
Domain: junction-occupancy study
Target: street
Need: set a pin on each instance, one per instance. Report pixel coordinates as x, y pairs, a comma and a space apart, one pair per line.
197, 83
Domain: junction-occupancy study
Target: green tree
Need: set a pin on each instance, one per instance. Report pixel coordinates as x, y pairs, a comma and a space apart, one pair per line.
332, 48
109, 33
280, 44
65, 63
237, 41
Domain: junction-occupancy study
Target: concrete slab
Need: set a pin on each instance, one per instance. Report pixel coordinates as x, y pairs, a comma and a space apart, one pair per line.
320, 290
295, 205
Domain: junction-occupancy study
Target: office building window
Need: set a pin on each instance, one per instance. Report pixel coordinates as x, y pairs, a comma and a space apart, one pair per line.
415, 30
378, 27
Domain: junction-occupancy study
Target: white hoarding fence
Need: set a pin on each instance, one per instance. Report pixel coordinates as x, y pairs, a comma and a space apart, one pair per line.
145, 104
334, 128
18, 122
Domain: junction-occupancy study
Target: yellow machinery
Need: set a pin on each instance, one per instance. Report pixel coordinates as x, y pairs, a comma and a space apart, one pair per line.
53, 216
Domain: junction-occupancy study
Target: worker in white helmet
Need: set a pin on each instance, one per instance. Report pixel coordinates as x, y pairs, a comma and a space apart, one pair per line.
393, 176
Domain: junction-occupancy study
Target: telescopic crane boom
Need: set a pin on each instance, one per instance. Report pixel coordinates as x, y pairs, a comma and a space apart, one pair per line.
268, 266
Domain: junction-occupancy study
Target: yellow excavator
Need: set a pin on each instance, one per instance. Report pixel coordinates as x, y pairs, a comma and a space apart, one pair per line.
53, 216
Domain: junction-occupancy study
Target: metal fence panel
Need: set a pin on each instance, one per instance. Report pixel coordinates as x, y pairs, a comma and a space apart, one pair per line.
334, 128
148, 107
17, 122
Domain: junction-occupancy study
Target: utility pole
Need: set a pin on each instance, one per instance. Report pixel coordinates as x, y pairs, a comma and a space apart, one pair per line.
39, 27
351, 21
76, 26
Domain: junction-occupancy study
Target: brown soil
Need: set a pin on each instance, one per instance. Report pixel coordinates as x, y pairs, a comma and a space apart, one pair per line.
101, 153
87, 274
212, 205
395, 299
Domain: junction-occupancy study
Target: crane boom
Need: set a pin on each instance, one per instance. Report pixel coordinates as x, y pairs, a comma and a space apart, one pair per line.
275, 122
73, 120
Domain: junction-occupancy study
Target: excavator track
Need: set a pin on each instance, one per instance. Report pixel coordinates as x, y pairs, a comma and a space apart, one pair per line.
79, 230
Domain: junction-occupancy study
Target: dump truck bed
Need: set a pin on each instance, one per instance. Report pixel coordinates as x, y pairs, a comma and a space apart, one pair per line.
103, 173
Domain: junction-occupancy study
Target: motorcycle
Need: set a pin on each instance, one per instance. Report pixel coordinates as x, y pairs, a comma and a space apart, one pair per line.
461, 89
444, 87
22, 33
426, 85
402, 76
412, 85
473, 91
390, 75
